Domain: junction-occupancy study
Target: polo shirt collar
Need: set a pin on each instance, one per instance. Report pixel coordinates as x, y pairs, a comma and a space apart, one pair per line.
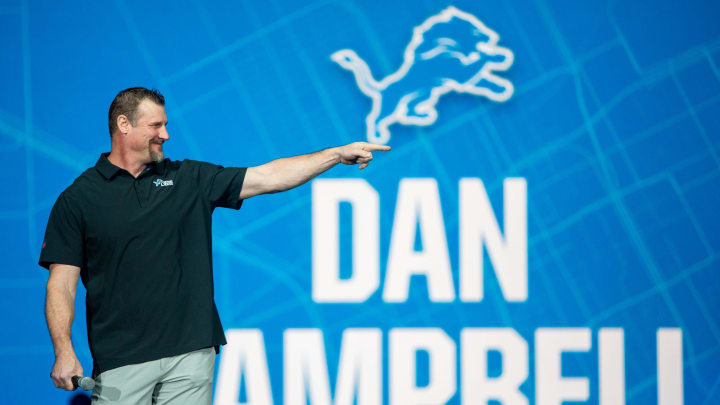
109, 170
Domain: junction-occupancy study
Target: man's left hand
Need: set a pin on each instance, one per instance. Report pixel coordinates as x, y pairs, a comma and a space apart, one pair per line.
359, 153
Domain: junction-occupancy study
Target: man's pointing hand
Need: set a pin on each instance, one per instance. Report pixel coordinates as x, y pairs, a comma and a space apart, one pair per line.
359, 153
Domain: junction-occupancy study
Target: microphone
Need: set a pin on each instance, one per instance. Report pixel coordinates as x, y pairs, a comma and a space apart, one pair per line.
85, 383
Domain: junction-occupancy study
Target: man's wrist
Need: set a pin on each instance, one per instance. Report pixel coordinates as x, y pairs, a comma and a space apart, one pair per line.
65, 350
334, 154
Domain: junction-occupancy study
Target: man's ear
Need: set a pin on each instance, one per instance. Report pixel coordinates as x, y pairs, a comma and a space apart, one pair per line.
123, 124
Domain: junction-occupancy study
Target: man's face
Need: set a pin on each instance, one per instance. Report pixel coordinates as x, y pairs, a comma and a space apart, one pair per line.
149, 132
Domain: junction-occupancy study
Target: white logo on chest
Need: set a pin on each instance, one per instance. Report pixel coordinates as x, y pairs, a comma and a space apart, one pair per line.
162, 183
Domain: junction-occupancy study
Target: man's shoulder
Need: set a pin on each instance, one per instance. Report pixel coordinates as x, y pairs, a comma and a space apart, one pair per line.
81, 182
191, 165
75, 194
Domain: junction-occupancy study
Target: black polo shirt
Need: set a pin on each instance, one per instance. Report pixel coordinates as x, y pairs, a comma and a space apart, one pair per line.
144, 246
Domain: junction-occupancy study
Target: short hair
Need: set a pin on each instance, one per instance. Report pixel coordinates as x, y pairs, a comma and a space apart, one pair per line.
126, 103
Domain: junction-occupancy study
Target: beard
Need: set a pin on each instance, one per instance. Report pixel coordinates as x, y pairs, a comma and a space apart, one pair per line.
155, 156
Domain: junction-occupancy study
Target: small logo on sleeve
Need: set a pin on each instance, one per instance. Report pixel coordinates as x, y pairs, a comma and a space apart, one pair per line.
162, 183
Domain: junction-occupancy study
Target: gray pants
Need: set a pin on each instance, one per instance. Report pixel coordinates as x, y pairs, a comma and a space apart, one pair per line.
177, 380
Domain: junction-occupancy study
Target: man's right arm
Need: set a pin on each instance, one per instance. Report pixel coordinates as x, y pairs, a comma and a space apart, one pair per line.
59, 312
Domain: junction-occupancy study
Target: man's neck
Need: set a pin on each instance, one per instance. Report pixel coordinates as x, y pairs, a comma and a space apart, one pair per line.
123, 161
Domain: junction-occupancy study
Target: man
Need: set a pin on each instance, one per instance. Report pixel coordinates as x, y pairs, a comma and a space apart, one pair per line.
137, 229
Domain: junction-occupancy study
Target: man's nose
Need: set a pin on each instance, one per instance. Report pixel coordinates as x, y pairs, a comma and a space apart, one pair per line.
164, 134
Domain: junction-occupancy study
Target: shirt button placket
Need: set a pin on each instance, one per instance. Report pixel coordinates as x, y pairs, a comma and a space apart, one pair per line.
136, 187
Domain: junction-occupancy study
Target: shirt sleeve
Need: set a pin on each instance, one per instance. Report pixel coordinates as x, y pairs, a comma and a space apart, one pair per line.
221, 185
64, 236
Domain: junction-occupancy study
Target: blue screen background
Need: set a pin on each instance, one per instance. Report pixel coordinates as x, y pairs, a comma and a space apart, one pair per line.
614, 123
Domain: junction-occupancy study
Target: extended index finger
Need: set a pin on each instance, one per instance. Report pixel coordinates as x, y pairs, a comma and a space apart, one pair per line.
375, 146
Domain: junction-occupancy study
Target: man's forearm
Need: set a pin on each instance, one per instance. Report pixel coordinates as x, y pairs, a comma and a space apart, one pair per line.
286, 173
59, 312
297, 170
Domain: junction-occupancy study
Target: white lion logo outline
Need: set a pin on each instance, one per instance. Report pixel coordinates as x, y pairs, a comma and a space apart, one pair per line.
399, 98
